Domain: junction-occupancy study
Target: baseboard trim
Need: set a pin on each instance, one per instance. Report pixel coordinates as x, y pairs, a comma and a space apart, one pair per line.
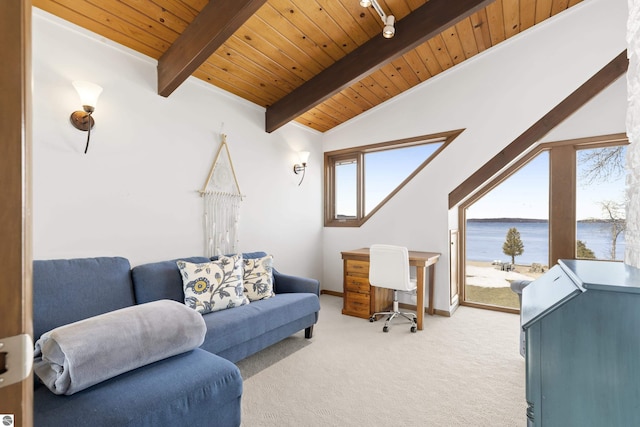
333, 293
403, 305
444, 313
413, 307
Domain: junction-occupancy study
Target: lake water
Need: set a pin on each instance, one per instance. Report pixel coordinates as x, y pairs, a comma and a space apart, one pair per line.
485, 239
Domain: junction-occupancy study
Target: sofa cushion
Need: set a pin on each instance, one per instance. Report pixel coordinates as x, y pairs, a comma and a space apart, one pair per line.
214, 285
160, 280
72, 357
68, 290
257, 277
230, 328
195, 388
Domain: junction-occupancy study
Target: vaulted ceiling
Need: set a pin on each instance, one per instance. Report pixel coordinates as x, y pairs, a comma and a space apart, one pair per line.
318, 62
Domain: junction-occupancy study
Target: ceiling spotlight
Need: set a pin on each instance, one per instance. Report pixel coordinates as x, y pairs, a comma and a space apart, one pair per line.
388, 21
389, 30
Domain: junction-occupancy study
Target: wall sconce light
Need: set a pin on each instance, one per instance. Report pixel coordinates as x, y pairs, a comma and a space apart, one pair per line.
388, 21
302, 167
82, 120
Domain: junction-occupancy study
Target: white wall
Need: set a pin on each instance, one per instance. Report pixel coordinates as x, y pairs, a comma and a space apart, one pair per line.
495, 96
134, 193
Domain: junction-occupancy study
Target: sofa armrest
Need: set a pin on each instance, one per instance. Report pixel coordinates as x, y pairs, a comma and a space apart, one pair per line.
286, 284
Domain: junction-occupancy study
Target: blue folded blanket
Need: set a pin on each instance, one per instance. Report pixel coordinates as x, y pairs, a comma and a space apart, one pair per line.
78, 355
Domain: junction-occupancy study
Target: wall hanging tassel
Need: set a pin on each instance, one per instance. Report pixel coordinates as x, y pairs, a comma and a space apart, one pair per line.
222, 198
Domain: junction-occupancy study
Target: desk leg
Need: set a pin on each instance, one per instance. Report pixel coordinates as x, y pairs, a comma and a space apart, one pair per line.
420, 296
432, 275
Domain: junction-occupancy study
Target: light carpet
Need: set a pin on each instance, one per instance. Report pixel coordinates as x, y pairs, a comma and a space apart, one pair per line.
464, 370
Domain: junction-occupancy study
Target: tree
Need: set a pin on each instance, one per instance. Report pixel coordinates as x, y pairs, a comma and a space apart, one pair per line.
602, 164
582, 251
513, 245
614, 214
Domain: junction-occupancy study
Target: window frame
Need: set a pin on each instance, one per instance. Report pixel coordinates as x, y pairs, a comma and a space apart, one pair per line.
562, 200
332, 158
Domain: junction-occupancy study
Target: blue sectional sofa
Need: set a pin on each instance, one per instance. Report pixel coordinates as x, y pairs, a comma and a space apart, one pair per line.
200, 387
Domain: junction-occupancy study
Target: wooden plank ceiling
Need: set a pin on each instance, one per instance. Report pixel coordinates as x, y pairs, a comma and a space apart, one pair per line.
285, 43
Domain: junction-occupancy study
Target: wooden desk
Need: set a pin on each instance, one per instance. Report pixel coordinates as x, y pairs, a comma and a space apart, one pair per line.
356, 277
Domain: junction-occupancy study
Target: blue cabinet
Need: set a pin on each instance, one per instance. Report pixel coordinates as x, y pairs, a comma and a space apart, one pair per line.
582, 330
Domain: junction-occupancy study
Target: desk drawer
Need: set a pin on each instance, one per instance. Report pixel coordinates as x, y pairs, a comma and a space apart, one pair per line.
354, 266
356, 304
356, 284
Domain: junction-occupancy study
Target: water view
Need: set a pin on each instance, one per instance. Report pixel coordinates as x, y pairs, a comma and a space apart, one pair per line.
485, 239
526, 193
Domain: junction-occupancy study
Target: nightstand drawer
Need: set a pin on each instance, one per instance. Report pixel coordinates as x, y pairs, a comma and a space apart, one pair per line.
356, 284
356, 304
354, 266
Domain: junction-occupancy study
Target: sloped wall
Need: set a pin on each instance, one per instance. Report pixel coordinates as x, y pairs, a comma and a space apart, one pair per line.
134, 193
495, 96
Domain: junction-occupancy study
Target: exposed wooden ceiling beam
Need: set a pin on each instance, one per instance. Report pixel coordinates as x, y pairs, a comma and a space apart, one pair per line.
603, 78
207, 32
414, 29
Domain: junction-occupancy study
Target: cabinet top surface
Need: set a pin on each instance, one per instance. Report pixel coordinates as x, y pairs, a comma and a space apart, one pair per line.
571, 278
603, 275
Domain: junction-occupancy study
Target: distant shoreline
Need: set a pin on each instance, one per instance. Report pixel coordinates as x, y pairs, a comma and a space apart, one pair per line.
532, 220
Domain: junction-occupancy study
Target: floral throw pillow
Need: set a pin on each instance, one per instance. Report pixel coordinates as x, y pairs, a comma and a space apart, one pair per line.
258, 278
213, 286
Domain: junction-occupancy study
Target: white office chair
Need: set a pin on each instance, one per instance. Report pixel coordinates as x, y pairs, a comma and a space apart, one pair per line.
389, 268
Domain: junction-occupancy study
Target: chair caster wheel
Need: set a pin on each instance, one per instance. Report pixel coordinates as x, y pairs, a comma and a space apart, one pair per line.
372, 319
414, 329
385, 329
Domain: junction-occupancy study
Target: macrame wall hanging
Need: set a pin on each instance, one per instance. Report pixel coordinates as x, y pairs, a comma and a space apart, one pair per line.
222, 198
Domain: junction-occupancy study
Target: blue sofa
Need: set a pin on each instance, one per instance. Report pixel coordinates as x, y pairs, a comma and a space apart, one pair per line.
201, 387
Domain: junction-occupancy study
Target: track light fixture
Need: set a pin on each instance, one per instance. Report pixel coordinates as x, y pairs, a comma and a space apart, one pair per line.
389, 29
388, 21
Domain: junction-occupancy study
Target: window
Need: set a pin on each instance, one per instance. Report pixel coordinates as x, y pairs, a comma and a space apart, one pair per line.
563, 200
507, 232
359, 181
600, 203
346, 172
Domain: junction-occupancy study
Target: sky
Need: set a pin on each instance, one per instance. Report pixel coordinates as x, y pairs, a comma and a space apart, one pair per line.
523, 195
384, 171
526, 195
